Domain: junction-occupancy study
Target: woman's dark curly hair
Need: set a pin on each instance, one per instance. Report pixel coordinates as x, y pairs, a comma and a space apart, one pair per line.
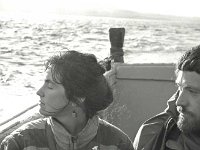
82, 77
190, 61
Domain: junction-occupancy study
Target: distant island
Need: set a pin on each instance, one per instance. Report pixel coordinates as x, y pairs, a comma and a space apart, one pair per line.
114, 13
126, 14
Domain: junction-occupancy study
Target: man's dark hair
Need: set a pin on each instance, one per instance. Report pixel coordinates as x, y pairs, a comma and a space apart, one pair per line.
190, 61
82, 77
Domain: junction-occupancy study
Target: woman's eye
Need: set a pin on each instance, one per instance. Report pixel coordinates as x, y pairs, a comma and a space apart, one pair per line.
50, 85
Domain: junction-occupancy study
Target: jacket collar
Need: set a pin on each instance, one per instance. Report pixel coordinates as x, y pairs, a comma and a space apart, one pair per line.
64, 139
171, 106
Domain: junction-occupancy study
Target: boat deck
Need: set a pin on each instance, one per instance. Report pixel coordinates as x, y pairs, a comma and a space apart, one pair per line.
141, 91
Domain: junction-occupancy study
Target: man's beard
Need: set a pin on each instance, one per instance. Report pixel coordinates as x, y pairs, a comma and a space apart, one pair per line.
188, 122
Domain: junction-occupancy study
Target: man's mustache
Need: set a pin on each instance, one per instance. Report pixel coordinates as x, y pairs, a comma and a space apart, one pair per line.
180, 109
183, 110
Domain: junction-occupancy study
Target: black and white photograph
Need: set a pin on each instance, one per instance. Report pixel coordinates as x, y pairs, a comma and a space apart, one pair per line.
99, 75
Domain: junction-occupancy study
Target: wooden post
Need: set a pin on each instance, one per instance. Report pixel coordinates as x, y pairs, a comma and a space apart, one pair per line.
116, 36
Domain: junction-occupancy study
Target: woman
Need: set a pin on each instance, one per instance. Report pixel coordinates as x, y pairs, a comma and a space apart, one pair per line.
74, 90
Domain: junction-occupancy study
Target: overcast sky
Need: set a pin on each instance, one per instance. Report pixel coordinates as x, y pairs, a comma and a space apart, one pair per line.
168, 7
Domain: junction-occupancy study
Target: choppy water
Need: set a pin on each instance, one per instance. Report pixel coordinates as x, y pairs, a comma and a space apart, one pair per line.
26, 43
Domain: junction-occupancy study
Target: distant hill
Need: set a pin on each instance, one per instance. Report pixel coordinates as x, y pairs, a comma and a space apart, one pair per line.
117, 13
128, 14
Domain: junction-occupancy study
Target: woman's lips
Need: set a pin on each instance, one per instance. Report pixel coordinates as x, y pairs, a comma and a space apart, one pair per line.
41, 103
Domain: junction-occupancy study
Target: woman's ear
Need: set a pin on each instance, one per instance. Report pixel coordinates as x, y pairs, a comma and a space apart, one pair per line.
73, 104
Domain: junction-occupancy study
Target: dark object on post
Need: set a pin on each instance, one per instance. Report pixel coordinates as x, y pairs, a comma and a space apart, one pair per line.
116, 36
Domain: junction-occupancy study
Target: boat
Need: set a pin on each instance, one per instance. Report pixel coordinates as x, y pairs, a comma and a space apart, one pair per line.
140, 91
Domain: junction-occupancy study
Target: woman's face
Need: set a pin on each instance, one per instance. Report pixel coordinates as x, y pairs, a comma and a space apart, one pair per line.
52, 96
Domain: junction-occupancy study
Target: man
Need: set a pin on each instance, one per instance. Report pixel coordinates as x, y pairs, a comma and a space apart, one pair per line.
178, 127
74, 91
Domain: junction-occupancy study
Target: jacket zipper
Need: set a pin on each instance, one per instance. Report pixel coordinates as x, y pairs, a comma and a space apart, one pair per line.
74, 141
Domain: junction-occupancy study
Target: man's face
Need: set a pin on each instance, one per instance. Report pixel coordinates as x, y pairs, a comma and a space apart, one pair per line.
52, 96
188, 102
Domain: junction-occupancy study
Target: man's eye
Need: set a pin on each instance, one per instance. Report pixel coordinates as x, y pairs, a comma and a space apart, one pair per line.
193, 91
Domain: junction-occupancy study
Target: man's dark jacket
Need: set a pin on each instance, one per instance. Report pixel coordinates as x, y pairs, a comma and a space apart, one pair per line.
153, 133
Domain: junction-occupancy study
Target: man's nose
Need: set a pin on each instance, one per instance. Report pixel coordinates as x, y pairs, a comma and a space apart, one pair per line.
182, 98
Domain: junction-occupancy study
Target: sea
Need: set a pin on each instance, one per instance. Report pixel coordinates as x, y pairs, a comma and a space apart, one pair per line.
27, 41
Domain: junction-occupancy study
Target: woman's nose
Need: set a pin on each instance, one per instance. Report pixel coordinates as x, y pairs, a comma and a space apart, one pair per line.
40, 92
